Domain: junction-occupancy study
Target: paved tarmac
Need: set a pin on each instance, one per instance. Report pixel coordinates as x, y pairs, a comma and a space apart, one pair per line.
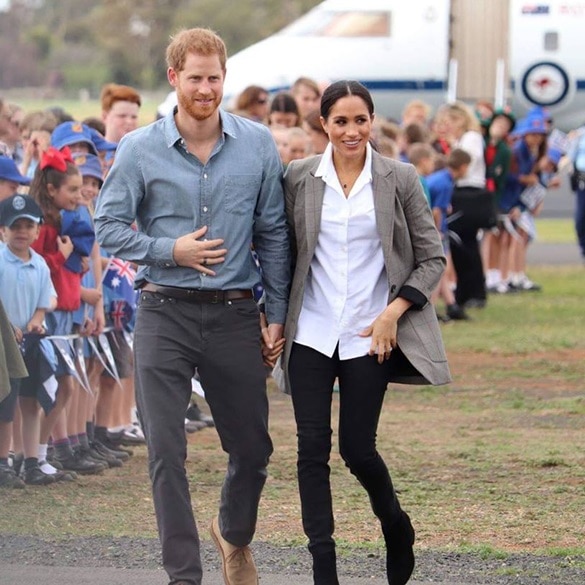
30, 575
553, 254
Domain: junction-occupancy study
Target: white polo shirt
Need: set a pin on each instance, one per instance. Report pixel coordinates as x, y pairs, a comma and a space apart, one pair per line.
347, 286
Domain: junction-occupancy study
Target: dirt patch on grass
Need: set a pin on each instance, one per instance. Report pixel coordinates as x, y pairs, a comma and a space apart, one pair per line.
490, 462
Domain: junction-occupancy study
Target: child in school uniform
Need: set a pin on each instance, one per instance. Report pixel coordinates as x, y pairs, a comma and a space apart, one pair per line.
441, 184
89, 320
422, 156
56, 187
29, 297
524, 172
498, 156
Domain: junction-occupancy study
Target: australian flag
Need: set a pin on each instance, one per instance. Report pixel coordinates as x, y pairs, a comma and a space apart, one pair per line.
119, 293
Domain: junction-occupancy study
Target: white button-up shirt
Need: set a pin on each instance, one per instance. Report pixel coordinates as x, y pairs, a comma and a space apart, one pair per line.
347, 286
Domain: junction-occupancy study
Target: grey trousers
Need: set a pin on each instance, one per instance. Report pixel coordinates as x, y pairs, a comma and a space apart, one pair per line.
172, 338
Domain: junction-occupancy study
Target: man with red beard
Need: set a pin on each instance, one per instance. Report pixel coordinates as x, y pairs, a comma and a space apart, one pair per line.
202, 186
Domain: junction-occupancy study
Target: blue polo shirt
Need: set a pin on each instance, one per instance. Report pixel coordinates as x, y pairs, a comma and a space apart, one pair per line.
24, 286
441, 186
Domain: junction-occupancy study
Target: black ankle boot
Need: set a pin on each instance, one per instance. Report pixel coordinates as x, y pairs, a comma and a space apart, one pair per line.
399, 539
325, 569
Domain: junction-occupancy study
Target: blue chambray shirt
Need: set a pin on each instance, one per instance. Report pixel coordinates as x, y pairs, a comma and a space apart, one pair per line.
238, 194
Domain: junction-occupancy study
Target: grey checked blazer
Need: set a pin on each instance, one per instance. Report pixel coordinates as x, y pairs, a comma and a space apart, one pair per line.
413, 256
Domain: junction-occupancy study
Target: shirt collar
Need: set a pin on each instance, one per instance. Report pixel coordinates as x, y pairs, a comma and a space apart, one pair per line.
11, 257
172, 132
326, 168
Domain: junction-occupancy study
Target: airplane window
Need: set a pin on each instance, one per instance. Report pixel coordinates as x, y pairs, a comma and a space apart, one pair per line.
341, 24
551, 41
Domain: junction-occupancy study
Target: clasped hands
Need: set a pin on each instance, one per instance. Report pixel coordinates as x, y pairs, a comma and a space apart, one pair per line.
272, 341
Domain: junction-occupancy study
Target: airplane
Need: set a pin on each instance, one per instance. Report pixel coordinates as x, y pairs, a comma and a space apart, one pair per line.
403, 50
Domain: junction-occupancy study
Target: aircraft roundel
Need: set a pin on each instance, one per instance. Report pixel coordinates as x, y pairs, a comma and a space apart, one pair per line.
545, 84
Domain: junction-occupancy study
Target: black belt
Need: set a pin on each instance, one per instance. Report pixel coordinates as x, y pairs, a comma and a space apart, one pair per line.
193, 295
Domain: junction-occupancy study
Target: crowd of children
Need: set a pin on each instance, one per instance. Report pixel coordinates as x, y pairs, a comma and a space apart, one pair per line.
70, 410
67, 407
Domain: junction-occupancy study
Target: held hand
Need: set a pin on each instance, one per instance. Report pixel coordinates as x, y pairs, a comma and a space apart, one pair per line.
35, 327
531, 179
191, 251
87, 328
515, 213
383, 333
84, 264
17, 334
65, 246
272, 341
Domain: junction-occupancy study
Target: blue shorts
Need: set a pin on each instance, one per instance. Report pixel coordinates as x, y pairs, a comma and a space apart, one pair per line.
59, 322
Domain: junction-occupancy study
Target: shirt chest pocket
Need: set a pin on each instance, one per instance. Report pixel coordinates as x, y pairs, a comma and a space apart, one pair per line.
241, 193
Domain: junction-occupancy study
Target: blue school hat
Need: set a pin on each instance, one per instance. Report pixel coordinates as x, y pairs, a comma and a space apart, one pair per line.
69, 133
101, 144
9, 171
17, 207
539, 112
530, 125
89, 165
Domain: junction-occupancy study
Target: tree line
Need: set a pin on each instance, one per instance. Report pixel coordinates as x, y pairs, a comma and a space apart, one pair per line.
74, 44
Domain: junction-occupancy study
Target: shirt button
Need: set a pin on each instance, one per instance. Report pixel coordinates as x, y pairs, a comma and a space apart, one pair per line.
205, 209
205, 175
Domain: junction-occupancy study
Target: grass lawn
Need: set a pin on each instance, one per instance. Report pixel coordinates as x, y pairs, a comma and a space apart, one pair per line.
83, 109
556, 231
492, 463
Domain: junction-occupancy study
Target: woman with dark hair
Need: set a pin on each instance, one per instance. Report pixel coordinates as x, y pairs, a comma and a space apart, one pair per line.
367, 257
284, 111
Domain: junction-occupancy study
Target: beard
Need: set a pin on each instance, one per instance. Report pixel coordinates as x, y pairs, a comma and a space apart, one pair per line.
196, 110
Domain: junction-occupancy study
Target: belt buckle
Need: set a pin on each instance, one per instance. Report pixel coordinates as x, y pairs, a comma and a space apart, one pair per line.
216, 297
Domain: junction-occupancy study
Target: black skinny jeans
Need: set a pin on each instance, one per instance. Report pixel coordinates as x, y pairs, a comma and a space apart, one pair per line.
362, 386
